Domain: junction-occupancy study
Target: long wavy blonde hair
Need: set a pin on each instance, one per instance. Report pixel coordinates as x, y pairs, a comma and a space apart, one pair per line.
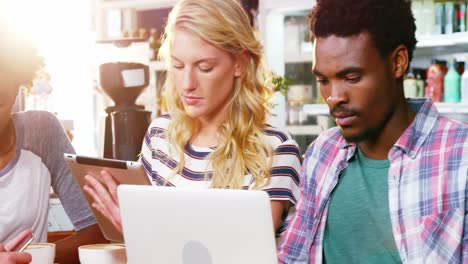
244, 150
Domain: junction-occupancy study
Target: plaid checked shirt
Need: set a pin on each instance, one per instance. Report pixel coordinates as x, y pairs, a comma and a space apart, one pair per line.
427, 183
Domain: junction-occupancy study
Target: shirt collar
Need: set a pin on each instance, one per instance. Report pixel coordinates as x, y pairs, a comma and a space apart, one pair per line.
414, 136
349, 146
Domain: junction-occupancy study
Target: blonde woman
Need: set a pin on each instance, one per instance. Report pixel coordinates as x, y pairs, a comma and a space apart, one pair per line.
216, 134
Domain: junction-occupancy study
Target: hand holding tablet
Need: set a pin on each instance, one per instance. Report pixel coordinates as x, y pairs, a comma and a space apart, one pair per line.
98, 179
104, 194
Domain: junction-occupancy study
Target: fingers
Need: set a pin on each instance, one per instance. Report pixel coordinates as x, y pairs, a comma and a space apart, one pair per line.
22, 257
18, 239
99, 194
103, 200
15, 258
109, 216
112, 208
111, 184
97, 190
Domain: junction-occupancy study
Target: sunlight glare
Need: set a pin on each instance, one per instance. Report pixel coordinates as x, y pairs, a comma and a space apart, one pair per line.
62, 32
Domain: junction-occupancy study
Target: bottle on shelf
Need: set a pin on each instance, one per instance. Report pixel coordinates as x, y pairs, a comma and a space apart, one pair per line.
154, 44
449, 8
439, 26
461, 17
295, 113
460, 67
464, 84
439, 16
443, 64
417, 8
143, 33
125, 34
428, 14
135, 33
410, 85
434, 82
452, 84
419, 82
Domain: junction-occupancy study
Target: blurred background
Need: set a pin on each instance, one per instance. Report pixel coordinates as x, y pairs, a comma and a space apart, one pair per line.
77, 36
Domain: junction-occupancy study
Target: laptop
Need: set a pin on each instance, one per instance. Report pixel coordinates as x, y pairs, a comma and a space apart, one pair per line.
196, 226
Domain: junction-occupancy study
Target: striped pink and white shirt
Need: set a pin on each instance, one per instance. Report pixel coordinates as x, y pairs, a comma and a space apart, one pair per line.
427, 183
160, 160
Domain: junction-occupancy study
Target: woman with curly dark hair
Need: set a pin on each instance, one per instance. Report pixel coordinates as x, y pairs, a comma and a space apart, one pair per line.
31, 160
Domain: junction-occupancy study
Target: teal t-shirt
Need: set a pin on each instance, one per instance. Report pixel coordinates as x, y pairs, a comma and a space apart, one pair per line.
358, 226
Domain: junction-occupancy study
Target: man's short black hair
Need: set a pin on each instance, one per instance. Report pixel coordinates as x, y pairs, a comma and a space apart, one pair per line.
390, 23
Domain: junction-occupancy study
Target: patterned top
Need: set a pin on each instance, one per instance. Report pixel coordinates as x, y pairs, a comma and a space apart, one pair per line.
159, 162
427, 183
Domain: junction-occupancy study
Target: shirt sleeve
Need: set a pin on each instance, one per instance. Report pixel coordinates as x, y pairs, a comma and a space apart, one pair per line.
465, 228
292, 248
52, 144
286, 165
157, 129
146, 152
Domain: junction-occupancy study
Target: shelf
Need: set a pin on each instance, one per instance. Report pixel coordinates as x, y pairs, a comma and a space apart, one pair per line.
285, 6
322, 110
304, 130
157, 66
433, 41
437, 45
452, 108
443, 108
299, 58
452, 43
316, 109
136, 4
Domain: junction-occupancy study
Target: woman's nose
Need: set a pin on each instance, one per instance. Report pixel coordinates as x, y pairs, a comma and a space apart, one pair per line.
189, 81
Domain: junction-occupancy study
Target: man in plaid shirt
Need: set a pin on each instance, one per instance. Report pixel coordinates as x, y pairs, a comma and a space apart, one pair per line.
389, 184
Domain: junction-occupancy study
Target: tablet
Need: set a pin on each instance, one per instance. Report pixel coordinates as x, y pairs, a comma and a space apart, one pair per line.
125, 172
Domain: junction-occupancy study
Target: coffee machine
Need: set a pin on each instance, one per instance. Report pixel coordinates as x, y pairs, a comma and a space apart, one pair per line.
126, 122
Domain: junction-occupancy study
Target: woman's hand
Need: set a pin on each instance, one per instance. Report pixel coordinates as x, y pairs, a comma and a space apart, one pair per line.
19, 241
14, 257
7, 257
105, 198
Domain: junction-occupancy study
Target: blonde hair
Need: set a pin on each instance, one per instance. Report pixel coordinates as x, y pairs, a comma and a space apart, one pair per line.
224, 24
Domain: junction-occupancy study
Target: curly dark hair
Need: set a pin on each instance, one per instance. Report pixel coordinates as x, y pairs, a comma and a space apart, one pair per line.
390, 23
19, 57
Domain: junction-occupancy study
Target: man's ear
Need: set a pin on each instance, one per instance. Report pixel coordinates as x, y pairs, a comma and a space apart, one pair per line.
399, 60
242, 60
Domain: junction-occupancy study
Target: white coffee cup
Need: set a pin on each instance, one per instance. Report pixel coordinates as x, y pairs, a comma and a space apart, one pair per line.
42, 253
102, 254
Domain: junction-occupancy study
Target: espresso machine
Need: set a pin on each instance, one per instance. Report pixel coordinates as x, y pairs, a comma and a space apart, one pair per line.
126, 122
